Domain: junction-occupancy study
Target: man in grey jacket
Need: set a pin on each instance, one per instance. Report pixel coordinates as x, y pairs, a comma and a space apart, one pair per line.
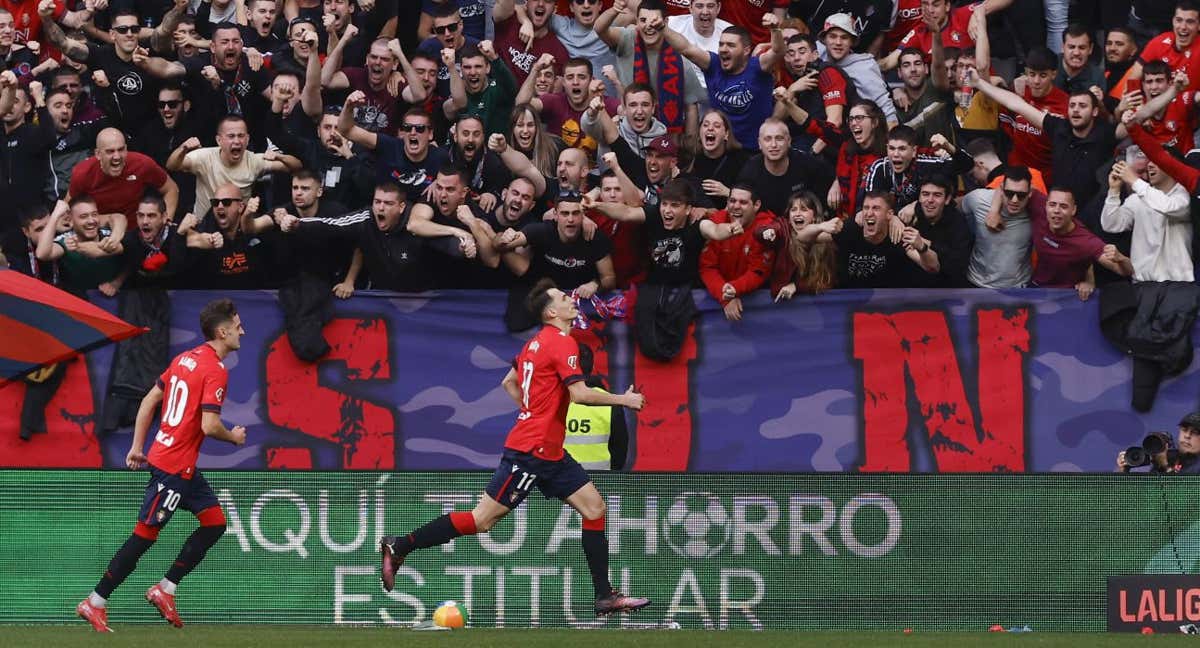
839, 36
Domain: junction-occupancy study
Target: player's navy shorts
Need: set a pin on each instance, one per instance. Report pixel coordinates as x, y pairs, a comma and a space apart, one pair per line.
519, 472
166, 492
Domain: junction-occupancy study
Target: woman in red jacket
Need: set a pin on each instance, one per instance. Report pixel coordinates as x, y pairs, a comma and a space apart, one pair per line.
806, 257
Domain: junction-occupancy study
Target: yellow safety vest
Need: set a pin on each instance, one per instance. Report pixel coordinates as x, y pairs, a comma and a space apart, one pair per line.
588, 429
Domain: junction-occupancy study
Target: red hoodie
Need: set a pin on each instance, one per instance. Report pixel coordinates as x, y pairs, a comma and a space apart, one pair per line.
744, 261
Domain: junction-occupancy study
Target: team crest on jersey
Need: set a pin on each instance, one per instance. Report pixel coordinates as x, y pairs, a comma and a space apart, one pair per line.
572, 362
161, 516
220, 394
534, 346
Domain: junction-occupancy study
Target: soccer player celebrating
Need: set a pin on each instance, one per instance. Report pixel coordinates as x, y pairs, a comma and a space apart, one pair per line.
544, 380
194, 383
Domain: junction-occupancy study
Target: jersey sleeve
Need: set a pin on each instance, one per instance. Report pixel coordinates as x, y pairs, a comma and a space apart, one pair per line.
213, 395
566, 360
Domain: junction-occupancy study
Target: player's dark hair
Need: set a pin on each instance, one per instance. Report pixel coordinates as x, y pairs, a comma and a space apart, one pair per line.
1018, 174
1092, 100
912, 51
306, 174
391, 187
471, 50
232, 119
1156, 67
981, 146
904, 134
451, 170
802, 38
31, 213
58, 91
677, 190
941, 181
1187, 5
224, 25
742, 34
444, 10
578, 61
1040, 59
1075, 30
417, 112
1121, 29
1063, 189
214, 315
748, 188
881, 194
81, 199
636, 87
152, 197
124, 11
652, 5
955, 53
539, 297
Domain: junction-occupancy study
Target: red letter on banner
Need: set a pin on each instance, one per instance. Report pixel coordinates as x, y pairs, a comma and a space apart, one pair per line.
664, 429
918, 345
70, 438
296, 399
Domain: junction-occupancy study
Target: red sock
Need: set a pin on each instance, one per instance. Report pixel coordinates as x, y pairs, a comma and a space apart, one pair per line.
464, 522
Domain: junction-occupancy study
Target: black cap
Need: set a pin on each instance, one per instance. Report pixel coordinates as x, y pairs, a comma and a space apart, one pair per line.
1191, 421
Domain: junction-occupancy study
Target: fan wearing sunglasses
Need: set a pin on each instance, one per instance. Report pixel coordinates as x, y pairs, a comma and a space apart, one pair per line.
409, 160
473, 14
231, 248
447, 34
129, 84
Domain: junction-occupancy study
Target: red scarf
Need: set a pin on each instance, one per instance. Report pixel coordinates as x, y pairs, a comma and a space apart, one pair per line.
670, 82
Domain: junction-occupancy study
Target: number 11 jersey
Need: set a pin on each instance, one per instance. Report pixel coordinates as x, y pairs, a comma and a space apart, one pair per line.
545, 367
193, 383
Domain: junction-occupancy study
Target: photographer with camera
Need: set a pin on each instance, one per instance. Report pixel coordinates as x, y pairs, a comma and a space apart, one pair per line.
1162, 454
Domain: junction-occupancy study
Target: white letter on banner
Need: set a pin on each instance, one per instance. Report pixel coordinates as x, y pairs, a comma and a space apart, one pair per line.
233, 521
468, 590
798, 527
520, 519
648, 524
688, 579
746, 607
449, 502
405, 598
323, 523
760, 530
564, 530
535, 589
499, 576
295, 540
340, 597
894, 522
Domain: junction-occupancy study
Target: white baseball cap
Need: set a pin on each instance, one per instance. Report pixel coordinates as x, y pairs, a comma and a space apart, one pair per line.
842, 21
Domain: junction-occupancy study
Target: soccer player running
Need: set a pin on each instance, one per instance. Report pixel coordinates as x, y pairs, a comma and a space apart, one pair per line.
544, 380
194, 384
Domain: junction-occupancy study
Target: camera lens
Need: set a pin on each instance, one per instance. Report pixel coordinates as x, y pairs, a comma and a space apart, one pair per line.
1155, 443
1136, 456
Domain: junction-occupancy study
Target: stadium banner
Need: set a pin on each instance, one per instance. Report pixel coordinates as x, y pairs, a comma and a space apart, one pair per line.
770, 551
1161, 602
850, 381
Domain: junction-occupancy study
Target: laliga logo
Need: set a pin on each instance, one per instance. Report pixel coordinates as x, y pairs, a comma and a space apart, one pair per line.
697, 525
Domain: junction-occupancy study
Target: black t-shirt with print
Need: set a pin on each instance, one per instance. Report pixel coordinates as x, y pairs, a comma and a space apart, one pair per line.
674, 253
569, 264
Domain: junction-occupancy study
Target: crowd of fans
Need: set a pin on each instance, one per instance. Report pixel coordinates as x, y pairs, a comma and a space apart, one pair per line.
794, 147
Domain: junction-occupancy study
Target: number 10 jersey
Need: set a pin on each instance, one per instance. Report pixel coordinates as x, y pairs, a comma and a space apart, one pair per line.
193, 383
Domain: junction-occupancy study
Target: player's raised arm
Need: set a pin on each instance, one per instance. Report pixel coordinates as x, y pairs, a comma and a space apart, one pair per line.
584, 395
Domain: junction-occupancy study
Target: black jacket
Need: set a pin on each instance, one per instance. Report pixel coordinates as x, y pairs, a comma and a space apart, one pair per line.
1151, 321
